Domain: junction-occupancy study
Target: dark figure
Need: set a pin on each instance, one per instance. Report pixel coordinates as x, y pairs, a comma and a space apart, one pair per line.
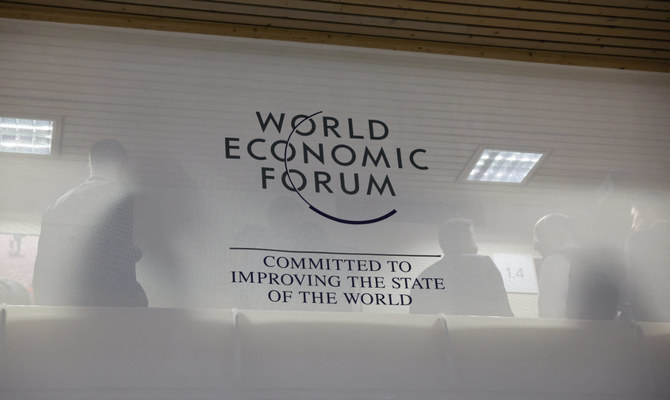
473, 284
577, 283
648, 258
86, 255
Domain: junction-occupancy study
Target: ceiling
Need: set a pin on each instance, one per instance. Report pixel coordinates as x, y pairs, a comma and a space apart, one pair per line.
614, 34
621, 34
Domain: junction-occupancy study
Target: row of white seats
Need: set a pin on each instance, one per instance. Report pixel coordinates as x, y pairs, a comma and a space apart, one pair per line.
114, 353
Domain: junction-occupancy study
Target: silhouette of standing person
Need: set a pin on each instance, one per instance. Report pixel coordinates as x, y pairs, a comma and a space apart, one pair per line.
86, 255
472, 283
648, 256
575, 282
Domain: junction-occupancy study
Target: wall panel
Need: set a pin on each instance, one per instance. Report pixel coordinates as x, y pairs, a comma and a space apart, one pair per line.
172, 99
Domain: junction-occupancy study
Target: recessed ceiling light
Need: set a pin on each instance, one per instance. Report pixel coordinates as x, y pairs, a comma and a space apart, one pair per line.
503, 166
26, 136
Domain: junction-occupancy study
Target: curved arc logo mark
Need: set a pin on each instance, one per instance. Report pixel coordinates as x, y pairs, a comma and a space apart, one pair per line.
311, 206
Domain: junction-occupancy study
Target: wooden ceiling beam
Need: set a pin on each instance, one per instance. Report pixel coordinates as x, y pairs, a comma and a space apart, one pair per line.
513, 24
624, 17
475, 41
366, 26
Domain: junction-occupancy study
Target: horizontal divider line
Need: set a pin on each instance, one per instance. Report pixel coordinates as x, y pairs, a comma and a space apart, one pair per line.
334, 252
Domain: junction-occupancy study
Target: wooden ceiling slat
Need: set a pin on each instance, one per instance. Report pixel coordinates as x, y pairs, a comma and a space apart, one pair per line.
578, 19
570, 38
497, 12
629, 10
361, 36
441, 5
591, 34
660, 5
514, 24
351, 24
454, 28
513, 13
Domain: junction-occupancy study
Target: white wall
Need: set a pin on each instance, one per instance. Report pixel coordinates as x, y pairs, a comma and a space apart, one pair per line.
172, 99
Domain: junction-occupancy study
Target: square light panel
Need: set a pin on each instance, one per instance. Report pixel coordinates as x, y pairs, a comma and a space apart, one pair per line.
26, 136
503, 166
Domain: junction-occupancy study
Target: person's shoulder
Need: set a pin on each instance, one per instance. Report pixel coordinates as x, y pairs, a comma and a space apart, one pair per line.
559, 261
477, 257
563, 255
438, 265
56, 207
479, 265
477, 260
83, 189
88, 195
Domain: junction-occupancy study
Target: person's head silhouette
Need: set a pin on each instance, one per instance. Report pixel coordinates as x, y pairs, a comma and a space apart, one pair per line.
456, 237
553, 233
107, 159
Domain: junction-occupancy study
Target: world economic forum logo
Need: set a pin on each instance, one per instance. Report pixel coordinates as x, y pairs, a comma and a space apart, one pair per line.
343, 162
